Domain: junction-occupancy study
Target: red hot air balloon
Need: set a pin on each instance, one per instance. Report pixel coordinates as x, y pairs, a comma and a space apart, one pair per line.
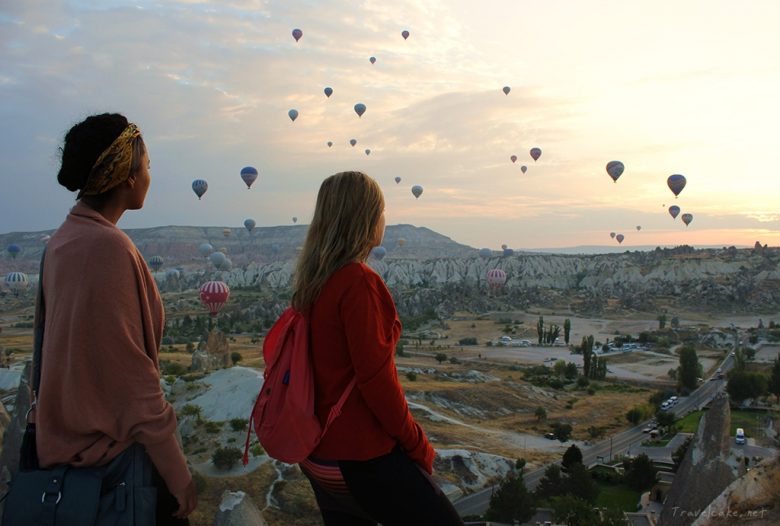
214, 294
496, 278
297, 34
405, 34
536, 153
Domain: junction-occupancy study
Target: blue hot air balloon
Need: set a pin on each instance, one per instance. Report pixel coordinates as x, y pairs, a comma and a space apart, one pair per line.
205, 249
379, 252
676, 183
509, 252
405, 34
156, 262
297, 34
249, 224
353, 142
536, 153
372, 60
13, 250
485, 252
328, 91
218, 259
674, 211
249, 175
397, 179
293, 114
615, 169
506, 90
199, 186
417, 190
360, 109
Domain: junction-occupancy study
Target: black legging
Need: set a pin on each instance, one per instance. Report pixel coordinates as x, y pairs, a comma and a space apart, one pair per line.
390, 489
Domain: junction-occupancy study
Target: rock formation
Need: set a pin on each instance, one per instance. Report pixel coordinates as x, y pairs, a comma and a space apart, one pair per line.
237, 510
212, 354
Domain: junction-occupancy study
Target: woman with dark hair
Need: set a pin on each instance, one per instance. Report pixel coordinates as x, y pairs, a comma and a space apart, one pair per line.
103, 319
373, 465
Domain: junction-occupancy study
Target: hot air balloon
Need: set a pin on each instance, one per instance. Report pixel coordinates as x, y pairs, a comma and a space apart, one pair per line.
405, 34
372, 60
297, 34
353, 142
638, 228
214, 294
199, 186
503, 247
620, 238
524, 168
496, 278
205, 249
17, 282
249, 175
249, 224
417, 190
328, 92
156, 262
13, 250
172, 274
612, 235
508, 252
506, 90
687, 218
379, 252
217, 259
360, 109
401, 242
224, 250
228, 264
226, 232
368, 152
615, 169
674, 211
293, 114
536, 153
485, 252
295, 219
329, 143
397, 179
676, 183
513, 158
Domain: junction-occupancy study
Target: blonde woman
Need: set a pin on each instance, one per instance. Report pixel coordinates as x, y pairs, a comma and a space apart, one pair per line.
374, 463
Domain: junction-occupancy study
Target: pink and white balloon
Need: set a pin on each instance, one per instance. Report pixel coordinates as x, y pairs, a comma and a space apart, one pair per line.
496, 278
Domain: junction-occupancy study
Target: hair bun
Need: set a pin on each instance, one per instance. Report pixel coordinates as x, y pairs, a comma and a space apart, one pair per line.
83, 145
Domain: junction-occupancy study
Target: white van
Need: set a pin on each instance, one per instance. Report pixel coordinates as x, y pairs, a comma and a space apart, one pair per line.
741, 436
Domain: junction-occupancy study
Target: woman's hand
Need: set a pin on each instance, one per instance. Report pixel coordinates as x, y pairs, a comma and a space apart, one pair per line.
187, 499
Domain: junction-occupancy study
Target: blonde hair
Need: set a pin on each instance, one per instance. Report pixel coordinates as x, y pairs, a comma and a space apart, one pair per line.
343, 230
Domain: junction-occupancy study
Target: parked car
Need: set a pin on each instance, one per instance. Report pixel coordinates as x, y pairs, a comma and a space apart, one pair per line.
740, 439
549, 436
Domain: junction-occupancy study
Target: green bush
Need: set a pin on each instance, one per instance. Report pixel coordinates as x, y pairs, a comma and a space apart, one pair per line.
213, 427
467, 341
172, 368
411, 376
257, 450
225, 458
239, 424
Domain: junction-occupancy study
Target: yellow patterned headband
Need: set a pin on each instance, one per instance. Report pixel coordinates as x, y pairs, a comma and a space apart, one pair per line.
114, 164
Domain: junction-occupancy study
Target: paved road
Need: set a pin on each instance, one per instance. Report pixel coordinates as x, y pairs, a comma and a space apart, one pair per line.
616, 445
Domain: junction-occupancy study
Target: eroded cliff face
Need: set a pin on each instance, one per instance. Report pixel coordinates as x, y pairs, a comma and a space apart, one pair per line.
708, 279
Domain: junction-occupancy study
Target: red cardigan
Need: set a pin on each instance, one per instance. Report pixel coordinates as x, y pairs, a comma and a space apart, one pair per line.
354, 330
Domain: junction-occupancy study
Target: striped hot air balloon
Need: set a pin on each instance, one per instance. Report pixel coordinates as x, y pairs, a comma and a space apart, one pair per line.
496, 278
17, 282
156, 262
214, 294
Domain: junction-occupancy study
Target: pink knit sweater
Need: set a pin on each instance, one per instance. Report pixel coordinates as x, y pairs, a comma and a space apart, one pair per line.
100, 381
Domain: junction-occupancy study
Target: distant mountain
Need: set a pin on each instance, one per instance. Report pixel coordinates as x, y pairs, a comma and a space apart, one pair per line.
178, 245
611, 249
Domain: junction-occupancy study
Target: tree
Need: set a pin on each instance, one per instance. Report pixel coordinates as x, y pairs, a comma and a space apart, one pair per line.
572, 456
225, 458
235, 357
551, 484
675, 322
511, 501
665, 418
561, 431
743, 385
634, 415
571, 371
552, 334
639, 473
559, 367
579, 483
573, 511
587, 354
520, 464
688, 372
541, 413
566, 330
540, 329
774, 379
441, 357
662, 321
411, 376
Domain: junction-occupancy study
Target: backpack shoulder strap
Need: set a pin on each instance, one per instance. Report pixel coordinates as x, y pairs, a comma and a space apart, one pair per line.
335, 411
40, 320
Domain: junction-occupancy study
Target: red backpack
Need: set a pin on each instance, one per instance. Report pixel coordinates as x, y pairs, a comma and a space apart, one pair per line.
283, 416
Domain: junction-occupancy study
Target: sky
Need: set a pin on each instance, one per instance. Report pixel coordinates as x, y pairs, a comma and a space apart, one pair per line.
666, 87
